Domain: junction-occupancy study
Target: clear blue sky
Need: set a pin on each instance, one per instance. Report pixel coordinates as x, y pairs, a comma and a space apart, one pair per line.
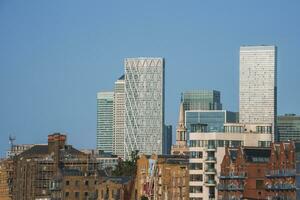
56, 55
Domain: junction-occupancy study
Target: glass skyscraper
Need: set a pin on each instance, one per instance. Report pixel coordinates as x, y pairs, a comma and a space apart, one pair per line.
144, 105
167, 139
201, 100
258, 84
119, 118
288, 127
105, 101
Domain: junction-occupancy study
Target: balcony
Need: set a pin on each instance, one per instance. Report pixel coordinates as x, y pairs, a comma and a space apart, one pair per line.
210, 171
210, 183
230, 187
281, 173
210, 148
233, 176
210, 160
283, 186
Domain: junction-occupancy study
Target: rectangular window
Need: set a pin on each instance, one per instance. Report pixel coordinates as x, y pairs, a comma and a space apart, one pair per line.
259, 184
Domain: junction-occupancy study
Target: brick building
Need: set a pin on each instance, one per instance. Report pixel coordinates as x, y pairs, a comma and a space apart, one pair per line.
281, 174
115, 188
162, 177
6, 174
243, 173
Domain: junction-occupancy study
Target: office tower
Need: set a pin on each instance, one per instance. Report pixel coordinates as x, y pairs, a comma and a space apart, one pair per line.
119, 117
144, 105
258, 84
214, 119
201, 100
288, 127
105, 102
181, 147
167, 139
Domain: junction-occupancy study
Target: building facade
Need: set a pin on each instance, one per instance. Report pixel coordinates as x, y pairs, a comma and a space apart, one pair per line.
258, 85
243, 173
119, 118
288, 127
201, 100
167, 139
105, 102
162, 177
144, 105
115, 188
207, 150
215, 119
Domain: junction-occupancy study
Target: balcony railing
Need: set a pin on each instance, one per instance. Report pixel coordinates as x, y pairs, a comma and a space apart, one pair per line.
210, 148
210, 171
233, 176
230, 187
210, 159
283, 186
210, 182
281, 173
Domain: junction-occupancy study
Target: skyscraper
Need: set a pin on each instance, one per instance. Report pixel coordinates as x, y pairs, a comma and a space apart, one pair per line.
167, 139
288, 127
119, 117
258, 84
144, 105
201, 100
105, 102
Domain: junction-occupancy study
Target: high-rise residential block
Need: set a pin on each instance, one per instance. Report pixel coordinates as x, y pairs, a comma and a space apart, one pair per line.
144, 105
119, 118
258, 84
288, 127
105, 102
201, 100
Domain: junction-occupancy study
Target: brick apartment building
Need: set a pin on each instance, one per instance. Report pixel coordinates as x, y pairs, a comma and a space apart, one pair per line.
260, 173
162, 177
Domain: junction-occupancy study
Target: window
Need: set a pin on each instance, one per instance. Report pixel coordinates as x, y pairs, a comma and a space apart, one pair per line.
77, 194
86, 194
67, 182
196, 177
77, 183
195, 154
195, 189
67, 194
86, 182
196, 166
259, 184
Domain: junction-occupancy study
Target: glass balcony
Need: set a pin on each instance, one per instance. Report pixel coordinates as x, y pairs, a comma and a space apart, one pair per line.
230, 187
210, 171
233, 176
281, 173
210, 160
283, 186
210, 183
210, 148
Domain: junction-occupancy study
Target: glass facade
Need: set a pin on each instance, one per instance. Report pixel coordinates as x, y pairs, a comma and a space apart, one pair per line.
144, 105
213, 119
105, 101
167, 139
201, 100
288, 127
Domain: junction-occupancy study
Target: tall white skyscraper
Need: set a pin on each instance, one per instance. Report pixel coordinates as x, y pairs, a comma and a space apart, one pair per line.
105, 102
144, 105
258, 84
119, 118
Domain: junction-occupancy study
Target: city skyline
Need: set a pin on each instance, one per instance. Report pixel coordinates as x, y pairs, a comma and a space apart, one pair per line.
51, 74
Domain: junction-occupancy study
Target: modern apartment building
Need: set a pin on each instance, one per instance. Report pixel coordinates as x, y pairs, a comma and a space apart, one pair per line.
207, 150
258, 85
119, 118
144, 105
215, 119
105, 102
288, 127
201, 100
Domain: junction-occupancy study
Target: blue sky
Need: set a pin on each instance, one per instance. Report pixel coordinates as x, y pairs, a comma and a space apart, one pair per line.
56, 55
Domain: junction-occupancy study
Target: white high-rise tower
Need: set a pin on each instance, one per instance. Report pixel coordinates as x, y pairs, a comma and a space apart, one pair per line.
144, 105
258, 84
